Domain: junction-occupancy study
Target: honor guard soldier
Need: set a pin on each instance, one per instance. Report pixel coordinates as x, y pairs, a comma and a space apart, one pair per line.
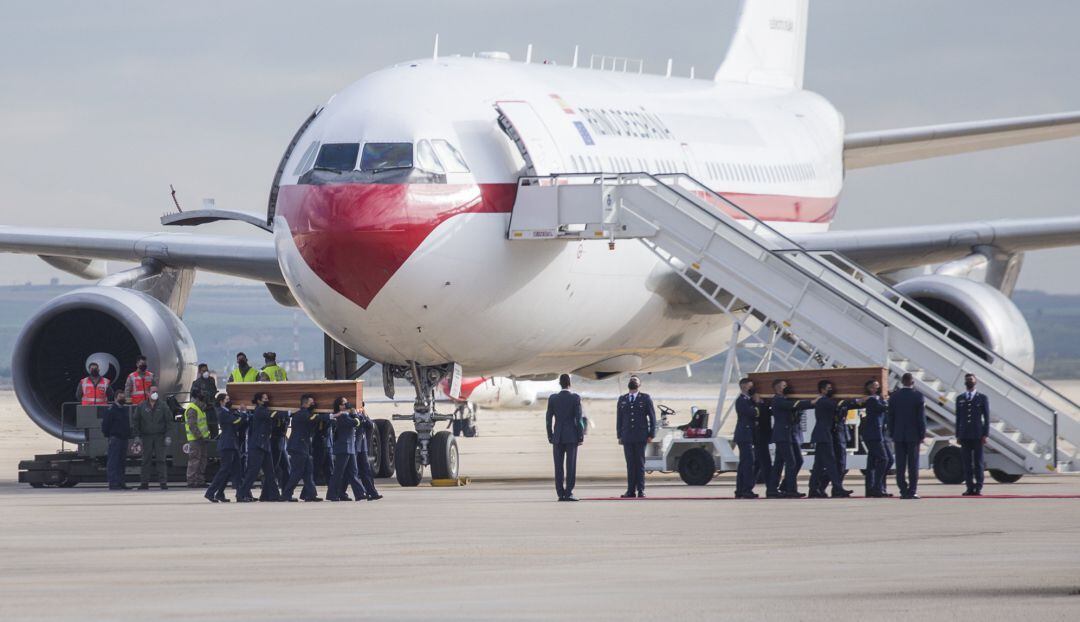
906, 424
299, 448
345, 424
635, 425
363, 466
116, 426
746, 412
565, 432
785, 412
94, 389
243, 372
137, 385
873, 436
972, 430
261, 421
826, 467
762, 438
228, 451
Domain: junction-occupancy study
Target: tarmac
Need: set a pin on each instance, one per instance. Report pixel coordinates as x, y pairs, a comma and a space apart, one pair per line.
502, 548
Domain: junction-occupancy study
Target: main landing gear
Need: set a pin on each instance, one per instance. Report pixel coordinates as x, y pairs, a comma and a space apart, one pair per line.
422, 447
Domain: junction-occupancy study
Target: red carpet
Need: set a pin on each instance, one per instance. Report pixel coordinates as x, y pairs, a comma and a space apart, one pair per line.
682, 498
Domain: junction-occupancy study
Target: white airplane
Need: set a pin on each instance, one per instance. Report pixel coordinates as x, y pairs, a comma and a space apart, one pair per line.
388, 215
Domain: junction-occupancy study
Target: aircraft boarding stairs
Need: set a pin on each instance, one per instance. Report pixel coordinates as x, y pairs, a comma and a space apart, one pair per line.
825, 310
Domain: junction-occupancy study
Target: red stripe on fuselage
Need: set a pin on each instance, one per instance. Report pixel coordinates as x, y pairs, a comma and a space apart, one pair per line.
356, 236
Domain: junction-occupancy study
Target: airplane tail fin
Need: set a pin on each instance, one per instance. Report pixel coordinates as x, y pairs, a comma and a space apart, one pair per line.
769, 46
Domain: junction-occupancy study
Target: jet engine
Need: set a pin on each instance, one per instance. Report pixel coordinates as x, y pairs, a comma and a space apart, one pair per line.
111, 325
978, 309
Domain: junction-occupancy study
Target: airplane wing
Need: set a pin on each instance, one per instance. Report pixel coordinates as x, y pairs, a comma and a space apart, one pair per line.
895, 248
863, 149
249, 258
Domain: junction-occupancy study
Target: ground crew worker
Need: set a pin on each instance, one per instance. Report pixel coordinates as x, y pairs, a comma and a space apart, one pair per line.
94, 389
363, 466
972, 430
635, 425
303, 426
116, 426
906, 423
746, 412
259, 459
243, 372
198, 438
151, 426
565, 432
137, 385
785, 412
826, 469
873, 436
228, 451
273, 371
345, 424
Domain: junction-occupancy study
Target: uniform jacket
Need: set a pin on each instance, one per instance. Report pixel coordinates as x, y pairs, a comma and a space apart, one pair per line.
826, 412
763, 431
364, 428
635, 422
784, 412
563, 419
152, 420
873, 423
746, 419
260, 423
229, 421
906, 418
204, 389
116, 422
345, 433
972, 416
303, 426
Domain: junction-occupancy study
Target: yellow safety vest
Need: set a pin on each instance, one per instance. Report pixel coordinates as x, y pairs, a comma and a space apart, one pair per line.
275, 373
200, 422
251, 376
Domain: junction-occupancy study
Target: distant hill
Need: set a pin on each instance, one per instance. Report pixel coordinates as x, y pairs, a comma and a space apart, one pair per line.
225, 319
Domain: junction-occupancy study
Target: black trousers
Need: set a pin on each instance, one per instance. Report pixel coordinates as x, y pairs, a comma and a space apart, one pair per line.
115, 458
877, 465
907, 467
260, 460
228, 468
840, 455
635, 466
565, 455
345, 475
826, 470
744, 475
366, 473
762, 463
890, 460
786, 464
972, 456
301, 467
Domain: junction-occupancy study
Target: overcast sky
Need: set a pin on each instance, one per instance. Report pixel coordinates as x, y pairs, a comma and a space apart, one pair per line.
104, 104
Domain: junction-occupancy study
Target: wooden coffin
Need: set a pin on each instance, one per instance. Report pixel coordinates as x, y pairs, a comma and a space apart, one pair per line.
848, 381
286, 395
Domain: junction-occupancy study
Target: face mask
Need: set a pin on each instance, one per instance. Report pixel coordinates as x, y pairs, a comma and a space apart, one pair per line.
94, 373
154, 396
970, 385
751, 391
121, 402
788, 391
241, 362
142, 366
206, 375
633, 386
830, 392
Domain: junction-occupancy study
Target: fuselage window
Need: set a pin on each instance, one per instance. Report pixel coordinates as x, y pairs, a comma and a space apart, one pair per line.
451, 158
337, 157
384, 156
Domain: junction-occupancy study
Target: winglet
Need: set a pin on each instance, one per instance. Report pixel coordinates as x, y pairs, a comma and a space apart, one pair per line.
769, 46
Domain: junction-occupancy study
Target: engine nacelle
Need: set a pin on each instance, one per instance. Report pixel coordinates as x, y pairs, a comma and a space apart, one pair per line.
981, 311
52, 350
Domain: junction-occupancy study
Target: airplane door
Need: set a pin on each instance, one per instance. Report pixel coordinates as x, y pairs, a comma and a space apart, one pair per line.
531, 136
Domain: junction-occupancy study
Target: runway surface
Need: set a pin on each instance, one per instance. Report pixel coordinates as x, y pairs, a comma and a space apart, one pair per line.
502, 548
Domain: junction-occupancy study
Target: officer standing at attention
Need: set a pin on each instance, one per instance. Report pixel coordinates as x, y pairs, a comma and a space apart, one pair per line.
259, 452
94, 389
785, 412
345, 424
873, 436
565, 432
363, 466
826, 469
972, 430
243, 372
228, 451
151, 424
635, 425
116, 426
137, 385
906, 423
746, 413
197, 431
299, 447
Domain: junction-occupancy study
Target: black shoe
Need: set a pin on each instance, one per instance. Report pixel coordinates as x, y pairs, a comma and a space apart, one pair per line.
967, 493
873, 495
887, 494
841, 494
333, 498
223, 500
374, 497
797, 495
627, 495
641, 494
817, 495
210, 499
344, 498
910, 497
314, 499
570, 498
773, 495
163, 486
291, 499
246, 500
976, 493
144, 486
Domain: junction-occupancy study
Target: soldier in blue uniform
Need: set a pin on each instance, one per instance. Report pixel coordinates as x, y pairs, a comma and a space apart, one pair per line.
635, 425
565, 432
345, 424
827, 413
762, 438
873, 436
746, 412
259, 456
299, 448
363, 464
785, 412
905, 422
972, 430
228, 446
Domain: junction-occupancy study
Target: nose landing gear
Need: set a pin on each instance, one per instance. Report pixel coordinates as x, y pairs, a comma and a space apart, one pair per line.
422, 447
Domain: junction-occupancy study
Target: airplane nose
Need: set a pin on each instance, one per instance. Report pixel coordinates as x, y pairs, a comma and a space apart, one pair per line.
356, 236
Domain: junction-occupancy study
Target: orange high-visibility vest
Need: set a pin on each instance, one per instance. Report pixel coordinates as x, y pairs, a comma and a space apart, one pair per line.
140, 386
95, 394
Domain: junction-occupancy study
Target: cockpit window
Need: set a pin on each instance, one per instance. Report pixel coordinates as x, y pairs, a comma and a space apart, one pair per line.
451, 158
304, 165
383, 156
337, 157
426, 160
